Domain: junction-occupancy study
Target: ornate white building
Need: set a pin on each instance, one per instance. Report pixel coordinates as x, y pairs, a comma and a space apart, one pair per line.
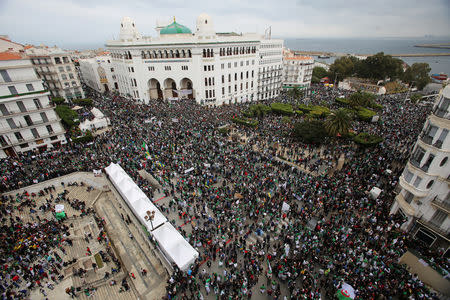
214, 68
297, 70
57, 69
27, 119
425, 183
98, 74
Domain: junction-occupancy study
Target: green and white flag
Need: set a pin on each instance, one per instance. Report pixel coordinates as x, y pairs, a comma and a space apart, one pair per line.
346, 292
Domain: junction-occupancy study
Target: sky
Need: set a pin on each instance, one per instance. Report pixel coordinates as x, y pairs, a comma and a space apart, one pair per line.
90, 23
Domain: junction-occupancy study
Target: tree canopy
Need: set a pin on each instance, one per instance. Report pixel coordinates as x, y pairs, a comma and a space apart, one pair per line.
418, 75
318, 73
310, 131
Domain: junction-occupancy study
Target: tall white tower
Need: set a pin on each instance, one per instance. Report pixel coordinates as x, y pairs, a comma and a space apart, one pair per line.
128, 30
205, 26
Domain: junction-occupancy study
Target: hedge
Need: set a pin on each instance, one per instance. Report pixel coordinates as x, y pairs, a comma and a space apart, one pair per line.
282, 108
84, 139
365, 114
83, 102
366, 139
305, 108
375, 105
342, 101
224, 130
245, 121
314, 111
58, 100
67, 115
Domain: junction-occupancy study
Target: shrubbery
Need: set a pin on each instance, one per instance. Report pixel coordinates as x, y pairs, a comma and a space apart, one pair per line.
314, 111
245, 121
256, 110
366, 139
310, 131
223, 130
83, 102
58, 100
87, 137
282, 108
364, 114
68, 116
342, 101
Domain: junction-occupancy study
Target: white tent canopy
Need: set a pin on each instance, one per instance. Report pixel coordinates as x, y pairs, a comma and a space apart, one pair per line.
174, 246
134, 196
171, 243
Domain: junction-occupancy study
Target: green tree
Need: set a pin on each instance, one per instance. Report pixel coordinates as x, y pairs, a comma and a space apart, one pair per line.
380, 67
318, 73
295, 93
418, 74
310, 131
415, 98
338, 122
343, 67
361, 99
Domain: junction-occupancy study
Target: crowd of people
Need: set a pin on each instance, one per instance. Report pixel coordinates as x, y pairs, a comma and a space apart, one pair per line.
332, 231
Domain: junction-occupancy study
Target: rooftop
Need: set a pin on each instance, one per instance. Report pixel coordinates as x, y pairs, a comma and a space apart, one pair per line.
8, 55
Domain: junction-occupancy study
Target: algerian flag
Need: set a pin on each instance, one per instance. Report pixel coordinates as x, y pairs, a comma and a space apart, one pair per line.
346, 292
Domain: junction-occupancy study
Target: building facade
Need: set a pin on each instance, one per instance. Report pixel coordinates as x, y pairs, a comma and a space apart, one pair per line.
27, 119
212, 68
297, 70
98, 74
424, 198
57, 69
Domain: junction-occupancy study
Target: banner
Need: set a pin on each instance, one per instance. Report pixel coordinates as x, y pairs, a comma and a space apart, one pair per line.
188, 170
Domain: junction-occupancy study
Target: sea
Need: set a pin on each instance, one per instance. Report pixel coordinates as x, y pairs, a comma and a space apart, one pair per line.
438, 64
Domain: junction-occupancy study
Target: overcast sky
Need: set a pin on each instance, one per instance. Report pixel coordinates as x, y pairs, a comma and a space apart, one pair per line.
79, 23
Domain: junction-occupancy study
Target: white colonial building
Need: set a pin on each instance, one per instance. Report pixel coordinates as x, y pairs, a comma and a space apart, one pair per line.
425, 194
27, 119
297, 70
213, 68
57, 69
98, 74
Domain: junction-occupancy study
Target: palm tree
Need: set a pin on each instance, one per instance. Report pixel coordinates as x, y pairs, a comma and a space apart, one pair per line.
338, 122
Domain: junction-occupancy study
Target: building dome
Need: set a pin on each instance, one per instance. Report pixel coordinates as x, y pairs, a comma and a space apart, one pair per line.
175, 28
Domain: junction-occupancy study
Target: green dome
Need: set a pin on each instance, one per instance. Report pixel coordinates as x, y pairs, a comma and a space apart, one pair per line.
175, 28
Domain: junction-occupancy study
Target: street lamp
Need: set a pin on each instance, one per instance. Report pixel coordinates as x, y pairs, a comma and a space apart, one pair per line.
150, 217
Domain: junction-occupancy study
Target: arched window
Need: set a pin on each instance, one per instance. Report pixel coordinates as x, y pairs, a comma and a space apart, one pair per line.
171, 54
165, 54
189, 53
143, 54
177, 54
204, 52
443, 161
430, 184
160, 55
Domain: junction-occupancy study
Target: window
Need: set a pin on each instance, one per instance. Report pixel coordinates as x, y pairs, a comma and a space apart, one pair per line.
242, 63
63, 76
229, 65
44, 117
19, 136
407, 175
417, 181
58, 60
206, 81
61, 69
223, 78
235, 64
66, 84
235, 87
65, 60
441, 138
167, 68
3, 141
443, 161
242, 75
229, 77
71, 76
49, 129
430, 184
28, 120
150, 68
229, 89
74, 83
54, 138
11, 123
5, 75
223, 91
12, 90
205, 68
68, 69
428, 162
235, 76
222, 66
25, 145
253, 73
132, 69
438, 218
21, 106
4, 110
417, 157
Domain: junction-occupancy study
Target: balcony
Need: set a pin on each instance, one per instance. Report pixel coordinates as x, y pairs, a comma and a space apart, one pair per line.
412, 189
406, 207
441, 113
441, 204
436, 229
